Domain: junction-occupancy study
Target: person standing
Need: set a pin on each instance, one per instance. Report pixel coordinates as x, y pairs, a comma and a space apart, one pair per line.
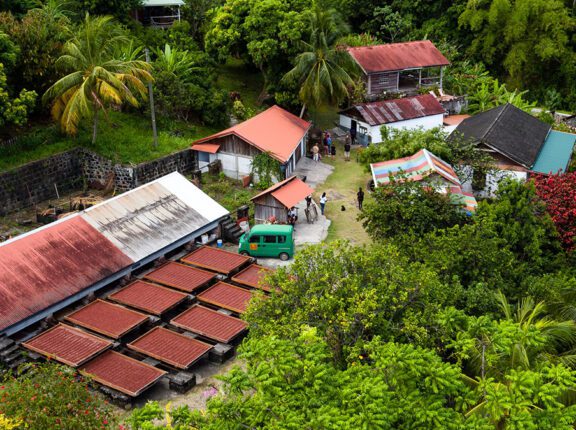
353, 135
323, 201
315, 153
308, 202
360, 196
328, 144
347, 148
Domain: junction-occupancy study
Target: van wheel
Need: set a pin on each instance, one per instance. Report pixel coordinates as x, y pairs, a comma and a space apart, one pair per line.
244, 253
284, 257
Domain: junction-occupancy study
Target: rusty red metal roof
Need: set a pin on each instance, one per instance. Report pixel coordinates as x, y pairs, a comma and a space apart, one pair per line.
170, 347
210, 323
122, 373
50, 264
148, 297
395, 110
227, 296
275, 130
253, 276
215, 259
107, 318
68, 345
398, 56
181, 276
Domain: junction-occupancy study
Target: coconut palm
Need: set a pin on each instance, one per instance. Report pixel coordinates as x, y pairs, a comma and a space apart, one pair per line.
97, 79
324, 70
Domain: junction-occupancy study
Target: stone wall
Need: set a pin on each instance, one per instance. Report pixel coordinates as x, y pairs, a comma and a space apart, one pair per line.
37, 181
34, 182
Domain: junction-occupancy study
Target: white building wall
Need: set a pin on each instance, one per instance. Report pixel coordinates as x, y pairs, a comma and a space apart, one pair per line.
426, 123
492, 181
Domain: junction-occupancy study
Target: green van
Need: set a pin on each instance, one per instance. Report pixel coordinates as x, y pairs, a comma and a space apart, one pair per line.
268, 240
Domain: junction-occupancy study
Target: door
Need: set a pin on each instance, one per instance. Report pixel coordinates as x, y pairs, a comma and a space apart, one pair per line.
255, 245
269, 246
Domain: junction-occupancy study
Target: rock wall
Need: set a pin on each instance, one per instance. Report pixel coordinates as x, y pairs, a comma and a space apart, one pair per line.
73, 170
37, 181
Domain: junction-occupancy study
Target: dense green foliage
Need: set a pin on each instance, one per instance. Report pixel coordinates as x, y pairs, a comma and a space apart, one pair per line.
14, 110
405, 207
50, 396
96, 77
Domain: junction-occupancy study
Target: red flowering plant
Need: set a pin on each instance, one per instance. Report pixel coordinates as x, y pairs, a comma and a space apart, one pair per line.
559, 193
51, 396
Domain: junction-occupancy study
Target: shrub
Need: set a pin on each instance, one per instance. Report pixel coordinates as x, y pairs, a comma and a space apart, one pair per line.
51, 396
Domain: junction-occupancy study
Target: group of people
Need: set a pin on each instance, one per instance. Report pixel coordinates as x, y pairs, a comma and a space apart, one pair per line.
330, 148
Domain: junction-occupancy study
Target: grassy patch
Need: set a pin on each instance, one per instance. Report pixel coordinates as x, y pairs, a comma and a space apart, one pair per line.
341, 188
234, 76
228, 192
123, 137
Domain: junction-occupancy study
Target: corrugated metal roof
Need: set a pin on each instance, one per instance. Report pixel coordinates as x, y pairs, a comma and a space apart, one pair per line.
395, 110
122, 373
48, 265
253, 276
106, 318
164, 3
415, 167
556, 153
181, 276
148, 297
173, 348
227, 296
210, 323
215, 259
153, 216
275, 130
68, 345
398, 56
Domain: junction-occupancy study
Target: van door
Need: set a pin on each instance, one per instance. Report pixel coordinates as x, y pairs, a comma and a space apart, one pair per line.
255, 245
269, 246
285, 244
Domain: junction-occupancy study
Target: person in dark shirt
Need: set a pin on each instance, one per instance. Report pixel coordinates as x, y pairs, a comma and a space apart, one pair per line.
347, 148
360, 196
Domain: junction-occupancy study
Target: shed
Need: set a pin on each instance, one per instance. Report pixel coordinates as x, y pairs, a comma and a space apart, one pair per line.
423, 111
276, 131
279, 198
398, 67
59, 264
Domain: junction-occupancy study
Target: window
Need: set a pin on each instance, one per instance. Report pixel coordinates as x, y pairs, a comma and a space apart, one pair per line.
255, 239
269, 239
281, 239
363, 130
204, 157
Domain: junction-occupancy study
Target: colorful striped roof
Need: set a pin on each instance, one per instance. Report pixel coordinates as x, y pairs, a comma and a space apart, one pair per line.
414, 168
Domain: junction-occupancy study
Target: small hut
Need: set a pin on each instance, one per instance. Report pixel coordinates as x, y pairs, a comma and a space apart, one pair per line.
278, 199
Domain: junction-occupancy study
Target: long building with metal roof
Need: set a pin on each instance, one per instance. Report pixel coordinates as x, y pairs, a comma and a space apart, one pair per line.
54, 266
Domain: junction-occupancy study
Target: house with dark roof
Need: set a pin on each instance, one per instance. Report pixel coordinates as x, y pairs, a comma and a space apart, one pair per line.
366, 119
275, 131
399, 67
519, 143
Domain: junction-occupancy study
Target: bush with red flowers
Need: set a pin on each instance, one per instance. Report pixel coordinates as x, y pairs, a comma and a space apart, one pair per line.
50, 396
559, 193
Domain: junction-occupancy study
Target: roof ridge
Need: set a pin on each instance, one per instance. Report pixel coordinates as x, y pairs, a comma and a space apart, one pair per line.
496, 119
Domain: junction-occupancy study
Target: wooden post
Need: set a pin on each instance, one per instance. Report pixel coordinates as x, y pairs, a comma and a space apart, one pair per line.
152, 112
419, 78
441, 75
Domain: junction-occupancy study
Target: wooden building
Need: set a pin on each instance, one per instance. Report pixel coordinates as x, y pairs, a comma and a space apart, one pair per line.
275, 131
278, 199
399, 67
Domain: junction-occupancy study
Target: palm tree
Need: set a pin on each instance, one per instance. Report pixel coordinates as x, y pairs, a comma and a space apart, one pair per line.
324, 70
97, 78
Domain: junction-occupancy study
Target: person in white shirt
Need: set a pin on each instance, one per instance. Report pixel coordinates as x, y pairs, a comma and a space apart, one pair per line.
323, 201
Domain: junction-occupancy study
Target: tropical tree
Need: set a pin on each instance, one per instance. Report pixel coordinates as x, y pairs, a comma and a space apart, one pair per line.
324, 70
97, 79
